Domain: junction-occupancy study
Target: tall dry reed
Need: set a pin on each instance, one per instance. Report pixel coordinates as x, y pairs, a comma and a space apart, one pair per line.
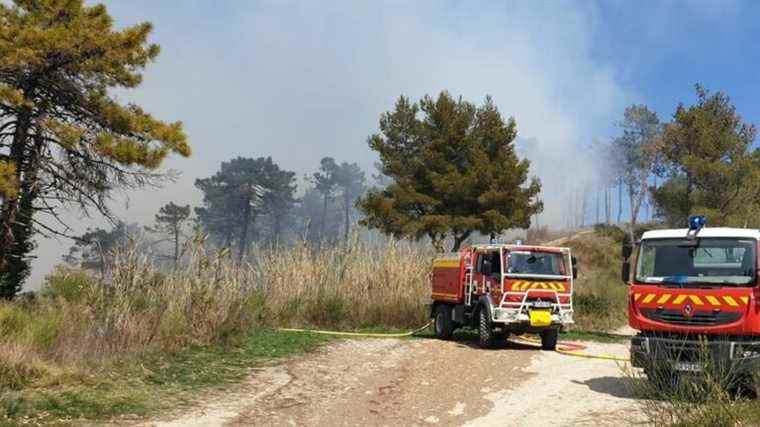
79, 319
351, 286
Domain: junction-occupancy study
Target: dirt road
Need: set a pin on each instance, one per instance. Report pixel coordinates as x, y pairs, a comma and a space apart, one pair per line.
392, 382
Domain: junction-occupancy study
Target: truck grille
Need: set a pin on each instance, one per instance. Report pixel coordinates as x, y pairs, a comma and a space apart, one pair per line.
699, 318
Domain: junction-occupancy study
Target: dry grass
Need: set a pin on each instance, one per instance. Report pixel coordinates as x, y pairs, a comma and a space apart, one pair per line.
78, 322
358, 286
600, 299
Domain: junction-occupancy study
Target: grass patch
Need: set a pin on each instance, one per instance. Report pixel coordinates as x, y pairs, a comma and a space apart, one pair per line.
156, 381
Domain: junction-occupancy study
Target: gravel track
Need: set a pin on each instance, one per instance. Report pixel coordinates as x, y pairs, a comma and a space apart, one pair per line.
393, 382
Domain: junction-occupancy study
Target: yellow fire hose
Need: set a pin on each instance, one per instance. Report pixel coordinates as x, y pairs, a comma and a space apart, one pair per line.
560, 350
575, 353
358, 334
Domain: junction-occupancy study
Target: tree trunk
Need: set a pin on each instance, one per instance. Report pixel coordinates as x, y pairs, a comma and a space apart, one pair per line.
10, 247
584, 206
607, 207
346, 200
244, 237
176, 245
324, 219
277, 228
620, 201
460, 238
597, 206
437, 241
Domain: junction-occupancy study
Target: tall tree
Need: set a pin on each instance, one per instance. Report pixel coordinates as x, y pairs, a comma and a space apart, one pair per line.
64, 139
454, 171
242, 191
324, 183
641, 131
712, 166
278, 200
170, 220
94, 250
351, 182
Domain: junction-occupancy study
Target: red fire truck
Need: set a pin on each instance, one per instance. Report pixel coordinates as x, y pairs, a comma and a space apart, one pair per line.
694, 292
501, 289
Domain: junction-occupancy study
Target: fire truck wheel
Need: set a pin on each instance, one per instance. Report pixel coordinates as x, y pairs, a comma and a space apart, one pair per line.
549, 339
486, 334
443, 324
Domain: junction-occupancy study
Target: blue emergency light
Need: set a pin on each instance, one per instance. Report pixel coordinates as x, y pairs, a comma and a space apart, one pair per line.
697, 222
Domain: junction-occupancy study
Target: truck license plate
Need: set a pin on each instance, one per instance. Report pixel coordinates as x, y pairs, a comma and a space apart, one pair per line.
688, 367
540, 318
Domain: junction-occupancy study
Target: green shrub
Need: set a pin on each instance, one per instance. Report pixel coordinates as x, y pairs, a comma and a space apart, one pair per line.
69, 284
611, 231
17, 370
41, 331
13, 320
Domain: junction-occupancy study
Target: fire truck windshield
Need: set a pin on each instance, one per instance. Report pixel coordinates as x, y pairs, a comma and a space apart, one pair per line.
528, 262
709, 261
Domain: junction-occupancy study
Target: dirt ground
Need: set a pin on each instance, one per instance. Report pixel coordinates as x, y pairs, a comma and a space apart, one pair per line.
392, 382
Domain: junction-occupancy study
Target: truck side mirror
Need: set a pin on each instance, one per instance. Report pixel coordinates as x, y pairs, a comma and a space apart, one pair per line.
574, 261
627, 250
627, 247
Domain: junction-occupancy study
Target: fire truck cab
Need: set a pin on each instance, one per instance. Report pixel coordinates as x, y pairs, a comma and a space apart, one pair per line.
504, 288
694, 292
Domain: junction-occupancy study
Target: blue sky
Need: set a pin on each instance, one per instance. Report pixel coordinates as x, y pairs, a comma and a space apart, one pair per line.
298, 80
660, 49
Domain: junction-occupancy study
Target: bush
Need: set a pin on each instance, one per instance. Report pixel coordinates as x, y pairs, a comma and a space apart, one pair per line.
69, 284
600, 298
612, 231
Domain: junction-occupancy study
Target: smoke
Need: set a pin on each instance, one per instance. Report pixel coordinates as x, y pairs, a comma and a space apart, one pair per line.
301, 80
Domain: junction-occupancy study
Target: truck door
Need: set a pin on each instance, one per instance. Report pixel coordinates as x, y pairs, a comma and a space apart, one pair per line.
488, 280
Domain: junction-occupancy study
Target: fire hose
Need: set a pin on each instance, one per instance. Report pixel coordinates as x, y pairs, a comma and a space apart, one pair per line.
565, 348
573, 349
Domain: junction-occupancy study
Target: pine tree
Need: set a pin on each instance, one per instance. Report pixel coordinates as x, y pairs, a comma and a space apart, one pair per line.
64, 139
635, 147
454, 172
324, 183
712, 166
94, 250
351, 182
242, 191
170, 220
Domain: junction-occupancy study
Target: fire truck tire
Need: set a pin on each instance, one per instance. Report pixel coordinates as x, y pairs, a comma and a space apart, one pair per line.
443, 325
549, 339
486, 334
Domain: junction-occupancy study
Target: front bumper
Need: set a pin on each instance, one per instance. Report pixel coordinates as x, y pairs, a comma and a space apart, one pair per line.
741, 356
512, 316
